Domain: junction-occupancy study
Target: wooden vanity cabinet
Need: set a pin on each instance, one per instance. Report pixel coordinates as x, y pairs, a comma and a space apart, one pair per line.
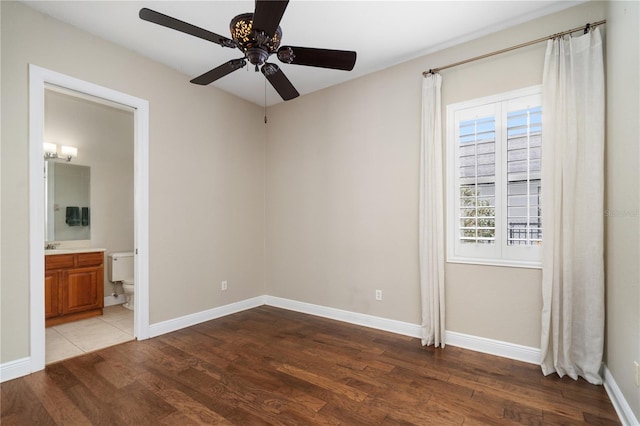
73, 287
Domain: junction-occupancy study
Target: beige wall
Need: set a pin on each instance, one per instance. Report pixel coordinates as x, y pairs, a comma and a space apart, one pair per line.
623, 196
206, 169
104, 138
342, 191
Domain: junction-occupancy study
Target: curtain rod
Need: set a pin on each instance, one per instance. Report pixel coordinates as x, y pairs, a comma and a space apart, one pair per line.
508, 49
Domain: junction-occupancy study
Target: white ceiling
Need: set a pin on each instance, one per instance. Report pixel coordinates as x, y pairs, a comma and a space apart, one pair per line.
383, 33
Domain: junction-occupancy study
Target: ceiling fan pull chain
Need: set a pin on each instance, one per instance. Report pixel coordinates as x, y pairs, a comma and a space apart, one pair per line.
265, 101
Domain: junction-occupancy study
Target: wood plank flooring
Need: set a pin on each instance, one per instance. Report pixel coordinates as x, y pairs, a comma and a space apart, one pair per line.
272, 366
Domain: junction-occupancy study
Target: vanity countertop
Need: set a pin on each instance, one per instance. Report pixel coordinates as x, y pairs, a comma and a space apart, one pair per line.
73, 250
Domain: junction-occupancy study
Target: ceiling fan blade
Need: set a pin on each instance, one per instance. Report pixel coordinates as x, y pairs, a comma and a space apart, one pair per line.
268, 14
219, 72
279, 81
324, 58
176, 24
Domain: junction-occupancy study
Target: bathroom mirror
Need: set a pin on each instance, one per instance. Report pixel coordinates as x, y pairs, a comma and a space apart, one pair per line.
67, 211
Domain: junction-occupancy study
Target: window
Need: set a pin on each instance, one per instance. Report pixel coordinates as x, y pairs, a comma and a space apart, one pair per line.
494, 180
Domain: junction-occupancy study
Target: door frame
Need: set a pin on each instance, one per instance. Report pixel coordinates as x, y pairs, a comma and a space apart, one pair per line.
39, 79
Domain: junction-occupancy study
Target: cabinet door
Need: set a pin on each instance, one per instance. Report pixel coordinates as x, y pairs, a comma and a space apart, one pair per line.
83, 289
51, 294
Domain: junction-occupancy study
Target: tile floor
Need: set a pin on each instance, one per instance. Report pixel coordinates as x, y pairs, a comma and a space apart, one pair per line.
75, 338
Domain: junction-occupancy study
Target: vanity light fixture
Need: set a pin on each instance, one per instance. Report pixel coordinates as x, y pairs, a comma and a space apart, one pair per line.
50, 150
67, 152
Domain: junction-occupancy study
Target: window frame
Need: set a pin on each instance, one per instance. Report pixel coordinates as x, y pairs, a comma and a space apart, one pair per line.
498, 253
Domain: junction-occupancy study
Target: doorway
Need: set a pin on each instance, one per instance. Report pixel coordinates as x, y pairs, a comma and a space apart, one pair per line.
39, 80
100, 178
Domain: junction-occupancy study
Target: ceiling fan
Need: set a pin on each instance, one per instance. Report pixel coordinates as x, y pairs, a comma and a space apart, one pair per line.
258, 36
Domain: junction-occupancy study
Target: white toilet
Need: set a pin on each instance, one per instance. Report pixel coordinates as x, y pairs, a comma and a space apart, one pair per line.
120, 269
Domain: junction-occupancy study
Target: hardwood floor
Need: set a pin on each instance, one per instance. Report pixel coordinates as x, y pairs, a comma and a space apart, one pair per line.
272, 366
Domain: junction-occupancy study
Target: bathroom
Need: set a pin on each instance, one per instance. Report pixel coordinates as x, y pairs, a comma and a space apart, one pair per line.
102, 220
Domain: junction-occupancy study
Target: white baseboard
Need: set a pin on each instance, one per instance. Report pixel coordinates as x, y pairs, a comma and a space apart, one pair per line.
14, 369
479, 344
493, 347
110, 300
620, 404
22, 367
393, 326
193, 319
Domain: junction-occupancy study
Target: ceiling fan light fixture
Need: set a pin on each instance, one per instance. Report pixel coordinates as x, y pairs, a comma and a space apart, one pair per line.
246, 37
256, 55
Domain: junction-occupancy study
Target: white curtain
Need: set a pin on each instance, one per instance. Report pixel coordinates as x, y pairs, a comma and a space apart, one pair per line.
431, 215
572, 207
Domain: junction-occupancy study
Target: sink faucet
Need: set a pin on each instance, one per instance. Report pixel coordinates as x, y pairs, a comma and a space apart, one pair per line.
51, 246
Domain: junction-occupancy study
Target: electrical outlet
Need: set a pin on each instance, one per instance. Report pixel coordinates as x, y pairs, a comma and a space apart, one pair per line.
223, 286
378, 294
636, 367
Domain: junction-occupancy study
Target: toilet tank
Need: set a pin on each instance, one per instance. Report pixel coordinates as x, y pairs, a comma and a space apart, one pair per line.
120, 266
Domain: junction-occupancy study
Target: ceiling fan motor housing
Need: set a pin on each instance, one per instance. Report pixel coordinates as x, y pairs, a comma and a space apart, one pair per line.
256, 44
